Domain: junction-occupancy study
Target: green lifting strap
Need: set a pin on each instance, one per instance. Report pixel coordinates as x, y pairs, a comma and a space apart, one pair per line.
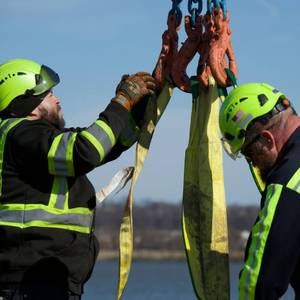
204, 217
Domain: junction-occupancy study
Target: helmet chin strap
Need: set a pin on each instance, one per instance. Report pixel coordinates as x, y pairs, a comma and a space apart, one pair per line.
22, 106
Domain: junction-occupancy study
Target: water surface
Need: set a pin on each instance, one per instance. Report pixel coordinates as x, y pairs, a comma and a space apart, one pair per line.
152, 280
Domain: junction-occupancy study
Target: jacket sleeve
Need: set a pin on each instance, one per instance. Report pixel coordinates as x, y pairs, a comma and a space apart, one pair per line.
274, 243
73, 151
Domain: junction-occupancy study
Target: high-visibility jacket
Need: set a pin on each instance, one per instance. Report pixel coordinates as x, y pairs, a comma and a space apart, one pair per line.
272, 260
46, 201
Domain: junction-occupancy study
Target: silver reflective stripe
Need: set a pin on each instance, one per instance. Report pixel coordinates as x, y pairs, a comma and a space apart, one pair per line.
62, 193
26, 216
101, 135
297, 186
60, 159
294, 182
5, 125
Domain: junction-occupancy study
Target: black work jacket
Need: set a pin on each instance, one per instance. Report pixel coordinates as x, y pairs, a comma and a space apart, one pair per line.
46, 202
272, 259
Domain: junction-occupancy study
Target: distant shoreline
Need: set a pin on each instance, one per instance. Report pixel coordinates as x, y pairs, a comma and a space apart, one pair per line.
157, 255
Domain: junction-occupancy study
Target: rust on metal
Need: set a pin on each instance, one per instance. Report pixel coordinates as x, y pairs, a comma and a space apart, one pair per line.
220, 47
186, 53
210, 36
203, 70
168, 52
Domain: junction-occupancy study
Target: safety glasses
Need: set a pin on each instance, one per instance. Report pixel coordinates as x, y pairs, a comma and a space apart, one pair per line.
46, 80
248, 150
227, 148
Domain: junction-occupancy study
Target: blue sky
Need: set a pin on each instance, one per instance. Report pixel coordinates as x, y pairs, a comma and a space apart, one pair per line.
92, 43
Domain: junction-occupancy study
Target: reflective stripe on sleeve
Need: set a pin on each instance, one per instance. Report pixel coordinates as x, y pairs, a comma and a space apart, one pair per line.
294, 183
260, 232
60, 155
101, 137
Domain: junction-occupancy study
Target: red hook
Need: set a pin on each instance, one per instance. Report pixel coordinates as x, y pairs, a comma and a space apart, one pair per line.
169, 50
220, 46
186, 53
203, 69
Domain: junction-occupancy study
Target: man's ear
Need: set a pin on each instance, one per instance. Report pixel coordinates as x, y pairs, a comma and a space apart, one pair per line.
268, 139
35, 114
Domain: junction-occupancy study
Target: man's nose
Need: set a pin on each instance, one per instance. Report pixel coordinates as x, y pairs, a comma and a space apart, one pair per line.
56, 99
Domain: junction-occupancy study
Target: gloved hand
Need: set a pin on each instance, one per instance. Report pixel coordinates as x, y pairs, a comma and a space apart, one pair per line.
133, 88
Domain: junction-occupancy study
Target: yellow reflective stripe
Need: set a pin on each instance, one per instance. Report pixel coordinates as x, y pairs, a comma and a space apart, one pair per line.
108, 131
66, 205
10, 123
59, 194
95, 143
2, 143
51, 153
101, 137
80, 229
54, 192
60, 155
294, 183
70, 150
260, 232
2, 124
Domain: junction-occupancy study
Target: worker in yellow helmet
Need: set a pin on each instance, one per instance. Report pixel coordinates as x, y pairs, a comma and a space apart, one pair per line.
259, 122
47, 204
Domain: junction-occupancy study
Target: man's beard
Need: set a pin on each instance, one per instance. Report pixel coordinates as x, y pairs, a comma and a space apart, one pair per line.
265, 168
54, 117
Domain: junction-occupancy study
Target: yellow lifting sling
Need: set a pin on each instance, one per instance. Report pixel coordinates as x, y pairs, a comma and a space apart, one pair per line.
154, 111
204, 216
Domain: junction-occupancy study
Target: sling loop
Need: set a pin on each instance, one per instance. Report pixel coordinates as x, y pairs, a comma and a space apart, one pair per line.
204, 218
154, 110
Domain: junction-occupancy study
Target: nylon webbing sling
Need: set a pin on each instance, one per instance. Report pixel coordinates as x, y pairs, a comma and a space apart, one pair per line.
154, 111
204, 216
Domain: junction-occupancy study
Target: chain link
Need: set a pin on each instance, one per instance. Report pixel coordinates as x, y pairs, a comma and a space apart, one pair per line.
176, 10
194, 11
211, 4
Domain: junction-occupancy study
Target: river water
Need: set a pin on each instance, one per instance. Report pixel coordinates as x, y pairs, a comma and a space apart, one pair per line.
152, 280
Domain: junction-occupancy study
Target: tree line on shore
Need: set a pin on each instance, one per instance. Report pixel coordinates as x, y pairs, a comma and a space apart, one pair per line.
157, 227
